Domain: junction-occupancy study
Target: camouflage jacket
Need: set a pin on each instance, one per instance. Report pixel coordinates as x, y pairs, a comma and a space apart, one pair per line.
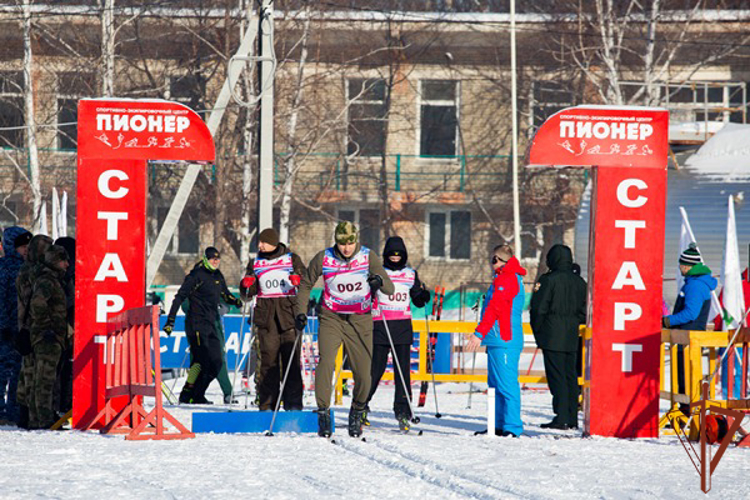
25, 283
48, 310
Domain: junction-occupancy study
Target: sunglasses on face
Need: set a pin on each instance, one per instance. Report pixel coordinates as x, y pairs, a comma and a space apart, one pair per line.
496, 259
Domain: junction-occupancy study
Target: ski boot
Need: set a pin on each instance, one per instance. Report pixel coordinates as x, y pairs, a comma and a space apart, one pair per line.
355, 421
324, 422
230, 400
186, 396
365, 414
404, 424
201, 400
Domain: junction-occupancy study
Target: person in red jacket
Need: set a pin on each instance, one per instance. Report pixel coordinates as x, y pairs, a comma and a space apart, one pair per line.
501, 332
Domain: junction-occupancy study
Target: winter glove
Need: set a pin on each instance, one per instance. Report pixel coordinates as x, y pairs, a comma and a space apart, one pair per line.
424, 295
247, 281
234, 301
169, 326
375, 282
300, 322
665, 322
295, 279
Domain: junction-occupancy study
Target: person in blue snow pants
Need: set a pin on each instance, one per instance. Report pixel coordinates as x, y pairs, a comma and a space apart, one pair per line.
500, 331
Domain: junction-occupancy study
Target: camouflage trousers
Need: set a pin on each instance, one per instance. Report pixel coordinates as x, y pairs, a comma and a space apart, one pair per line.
24, 379
41, 388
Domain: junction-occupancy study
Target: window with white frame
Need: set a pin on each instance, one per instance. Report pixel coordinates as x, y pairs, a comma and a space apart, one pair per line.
71, 87
367, 121
449, 234
438, 118
367, 221
11, 109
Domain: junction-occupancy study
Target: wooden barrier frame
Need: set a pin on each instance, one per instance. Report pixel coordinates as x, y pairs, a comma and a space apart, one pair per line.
695, 342
132, 339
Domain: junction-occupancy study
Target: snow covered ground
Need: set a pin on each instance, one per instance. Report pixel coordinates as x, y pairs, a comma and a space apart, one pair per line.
446, 462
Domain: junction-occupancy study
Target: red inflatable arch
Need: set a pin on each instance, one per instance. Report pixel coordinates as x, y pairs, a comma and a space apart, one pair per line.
627, 148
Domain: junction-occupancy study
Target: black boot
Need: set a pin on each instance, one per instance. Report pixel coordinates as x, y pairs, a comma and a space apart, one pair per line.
186, 395
355, 421
324, 422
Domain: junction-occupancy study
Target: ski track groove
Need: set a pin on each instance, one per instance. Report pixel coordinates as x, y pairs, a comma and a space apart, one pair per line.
457, 473
474, 489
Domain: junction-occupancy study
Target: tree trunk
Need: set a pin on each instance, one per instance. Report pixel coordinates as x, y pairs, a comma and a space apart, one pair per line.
28, 96
290, 163
108, 48
246, 233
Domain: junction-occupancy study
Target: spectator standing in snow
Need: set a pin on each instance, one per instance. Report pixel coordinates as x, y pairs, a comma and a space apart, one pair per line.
204, 286
49, 330
15, 246
274, 276
395, 308
692, 306
558, 308
501, 332
66, 361
351, 274
25, 287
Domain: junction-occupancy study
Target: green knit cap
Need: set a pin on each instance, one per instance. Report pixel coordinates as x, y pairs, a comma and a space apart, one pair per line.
346, 232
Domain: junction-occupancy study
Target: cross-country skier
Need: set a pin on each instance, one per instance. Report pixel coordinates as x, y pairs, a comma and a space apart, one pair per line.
204, 287
351, 274
501, 331
395, 308
274, 276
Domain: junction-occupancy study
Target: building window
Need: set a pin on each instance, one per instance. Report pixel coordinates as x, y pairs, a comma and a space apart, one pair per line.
11, 109
438, 118
186, 238
449, 234
70, 88
189, 90
367, 221
8, 214
532, 240
547, 98
367, 121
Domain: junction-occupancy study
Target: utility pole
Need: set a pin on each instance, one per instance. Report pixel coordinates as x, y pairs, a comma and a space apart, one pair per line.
514, 121
193, 170
265, 145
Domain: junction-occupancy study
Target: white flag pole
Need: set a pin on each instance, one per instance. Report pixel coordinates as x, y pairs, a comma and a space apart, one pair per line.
716, 305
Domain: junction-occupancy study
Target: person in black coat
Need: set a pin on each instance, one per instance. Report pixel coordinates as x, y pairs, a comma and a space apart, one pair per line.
558, 308
204, 287
395, 309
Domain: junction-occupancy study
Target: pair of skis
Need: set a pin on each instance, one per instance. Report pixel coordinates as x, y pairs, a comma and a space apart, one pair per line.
437, 311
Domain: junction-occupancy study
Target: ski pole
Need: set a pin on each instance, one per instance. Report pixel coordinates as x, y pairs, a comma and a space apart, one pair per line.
432, 366
414, 418
474, 354
338, 373
237, 364
289, 364
174, 383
